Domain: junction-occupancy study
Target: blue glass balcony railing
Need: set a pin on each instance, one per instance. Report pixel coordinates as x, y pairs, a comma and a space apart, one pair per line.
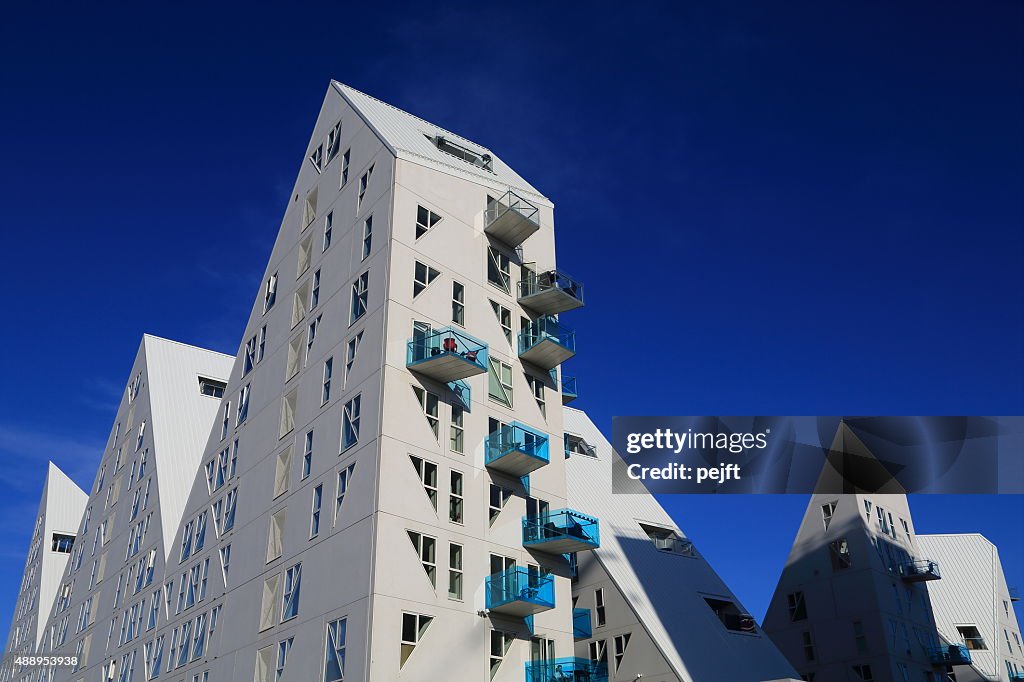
920, 571
951, 654
447, 355
582, 626
520, 592
1016, 675
568, 389
512, 219
561, 532
566, 670
546, 343
550, 292
516, 450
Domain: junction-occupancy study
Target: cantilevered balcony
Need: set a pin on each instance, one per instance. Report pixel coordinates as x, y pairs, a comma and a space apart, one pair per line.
950, 654
561, 532
516, 450
568, 389
520, 592
550, 292
582, 627
512, 219
447, 355
919, 571
1016, 675
566, 670
546, 343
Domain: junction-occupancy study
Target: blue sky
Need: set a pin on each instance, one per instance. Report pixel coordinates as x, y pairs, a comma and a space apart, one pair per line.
804, 209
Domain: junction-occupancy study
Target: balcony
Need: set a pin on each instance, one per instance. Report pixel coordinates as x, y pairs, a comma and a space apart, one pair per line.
447, 355
546, 343
550, 292
520, 592
952, 654
512, 219
920, 571
515, 450
561, 532
1016, 675
568, 389
1014, 594
566, 670
582, 627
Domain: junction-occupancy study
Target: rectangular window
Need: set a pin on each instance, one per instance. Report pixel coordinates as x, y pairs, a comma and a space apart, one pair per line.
225, 424
496, 502
261, 347
840, 552
364, 182
457, 435
537, 388
314, 295
334, 142
499, 382
429, 404
498, 272
455, 498
270, 293
318, 500
307, 455
599, 652
350, 423
344, 476
317, 158
334, 656
500, 644
454, 571
458, 303
292, 583
504, 316
350, 353
600, 617
827, 510
328, 229
344, 168
367, 236
797, 606
863, 673
859, 638
360, 296
808, 646
243, 404
325, 394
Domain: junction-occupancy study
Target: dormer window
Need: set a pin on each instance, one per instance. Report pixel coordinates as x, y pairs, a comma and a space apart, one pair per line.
478, 159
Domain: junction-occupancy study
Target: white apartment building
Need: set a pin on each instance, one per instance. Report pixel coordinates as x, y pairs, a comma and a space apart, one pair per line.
53, 539
974, 607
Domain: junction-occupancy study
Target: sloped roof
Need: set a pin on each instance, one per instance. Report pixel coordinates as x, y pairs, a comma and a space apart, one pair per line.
407, 138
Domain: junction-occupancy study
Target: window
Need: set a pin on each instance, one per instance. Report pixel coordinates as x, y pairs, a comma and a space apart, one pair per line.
427, 473
305, 256
350, 423
350, 353
619, 644
859, 638
314, 296
334, 142
458, 303
364, 182
972, 637
283, 647
311, 331
344, 167
414, 625
498, 272
457, 435
281, 472
504, 316
367, 236
600, 618
808, 645
243, 404
797, 606
344, 477
214, 388
499, 382
429, 404
314, 523
840, 553
317, 158
307, 455
478, 159
425, 219
309, 209
62, 543
292, 583
328, 229
730, 616
270, 293
138, 442
455, 498
863, 673
500, 644
426, 549
261, 347
827, 510
325, 394
423, 277
599, 652
288, 404
360, 296
334, 656
225, 561
498, 497
454, 571
537, 388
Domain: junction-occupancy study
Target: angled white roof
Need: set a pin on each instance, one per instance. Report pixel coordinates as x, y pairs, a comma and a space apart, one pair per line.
181, 419
407, 138
664, 592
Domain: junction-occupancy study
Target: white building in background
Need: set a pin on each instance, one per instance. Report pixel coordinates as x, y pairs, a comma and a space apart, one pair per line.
647, 603
974, 607
53, 539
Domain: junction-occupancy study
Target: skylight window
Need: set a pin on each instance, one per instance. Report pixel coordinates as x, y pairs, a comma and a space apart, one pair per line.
478, 159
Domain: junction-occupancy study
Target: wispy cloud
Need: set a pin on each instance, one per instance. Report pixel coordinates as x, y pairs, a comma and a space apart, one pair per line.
31, 448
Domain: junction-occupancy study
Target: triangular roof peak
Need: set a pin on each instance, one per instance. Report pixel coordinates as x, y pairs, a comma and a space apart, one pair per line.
411, 138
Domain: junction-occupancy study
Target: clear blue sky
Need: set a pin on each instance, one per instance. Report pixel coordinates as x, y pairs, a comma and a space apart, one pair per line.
813, 208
